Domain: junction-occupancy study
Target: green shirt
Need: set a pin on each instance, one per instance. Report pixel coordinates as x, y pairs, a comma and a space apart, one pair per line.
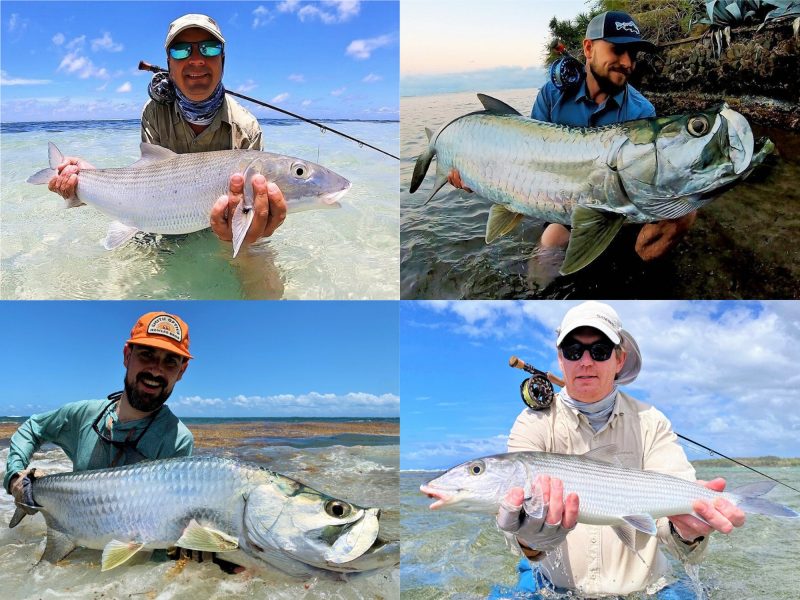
70, 428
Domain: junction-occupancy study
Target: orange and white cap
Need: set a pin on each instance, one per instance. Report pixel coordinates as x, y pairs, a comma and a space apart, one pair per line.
162, 330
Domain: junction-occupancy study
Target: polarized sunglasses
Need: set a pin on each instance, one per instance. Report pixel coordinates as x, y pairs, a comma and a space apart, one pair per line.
573, 350
183, 50
620, 49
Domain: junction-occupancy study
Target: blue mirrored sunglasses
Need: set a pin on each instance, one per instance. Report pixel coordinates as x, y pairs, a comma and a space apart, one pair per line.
208, 48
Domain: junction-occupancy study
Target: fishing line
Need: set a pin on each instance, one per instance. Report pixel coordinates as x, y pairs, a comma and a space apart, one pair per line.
143, 66
537, 394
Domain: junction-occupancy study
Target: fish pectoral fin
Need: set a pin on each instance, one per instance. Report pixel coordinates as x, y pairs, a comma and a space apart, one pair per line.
592, 232
57, 547
240, 224
441, 180
534, 504
493, 105
118, 233
356, 540
116, 553
501, 221
627, 536
606, 454
197, 537
644, 523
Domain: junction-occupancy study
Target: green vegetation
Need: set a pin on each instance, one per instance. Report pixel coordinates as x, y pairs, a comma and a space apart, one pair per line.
759, 461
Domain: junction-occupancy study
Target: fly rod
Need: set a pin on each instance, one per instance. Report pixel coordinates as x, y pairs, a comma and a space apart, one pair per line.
537, 393
144, 66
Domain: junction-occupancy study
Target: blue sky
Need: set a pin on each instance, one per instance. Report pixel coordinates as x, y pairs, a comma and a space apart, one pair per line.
464, 45
78, 60
274, 359
725, 373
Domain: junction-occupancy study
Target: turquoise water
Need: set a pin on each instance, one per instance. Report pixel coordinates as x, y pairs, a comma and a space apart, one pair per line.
52, 253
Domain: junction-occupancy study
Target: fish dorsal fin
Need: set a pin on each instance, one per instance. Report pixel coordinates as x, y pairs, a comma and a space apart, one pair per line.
116, 553
429, 133
152, 154
501, 221
493, 105
197, 537
592, 232
356, 540
606, 454
57, 547
643, 523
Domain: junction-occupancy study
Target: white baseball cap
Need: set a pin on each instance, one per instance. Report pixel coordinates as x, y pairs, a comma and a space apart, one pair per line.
606, 320
193, 20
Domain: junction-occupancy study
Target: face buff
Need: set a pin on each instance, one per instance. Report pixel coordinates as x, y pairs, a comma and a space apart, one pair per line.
163, 91
597, 412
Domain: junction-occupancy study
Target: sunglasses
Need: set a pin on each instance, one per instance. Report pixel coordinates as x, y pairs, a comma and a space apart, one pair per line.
620, 49
183, 50
573, 350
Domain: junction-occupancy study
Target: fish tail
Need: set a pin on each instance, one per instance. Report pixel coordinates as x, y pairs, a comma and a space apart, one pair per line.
19, 514
749, 500
45, 175
421, 167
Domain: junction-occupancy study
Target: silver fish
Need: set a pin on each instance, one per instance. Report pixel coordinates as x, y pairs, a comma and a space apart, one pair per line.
609, 493
593, 179
169, 193
252, 515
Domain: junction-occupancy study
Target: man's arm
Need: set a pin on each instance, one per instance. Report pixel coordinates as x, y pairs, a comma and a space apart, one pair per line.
150, 132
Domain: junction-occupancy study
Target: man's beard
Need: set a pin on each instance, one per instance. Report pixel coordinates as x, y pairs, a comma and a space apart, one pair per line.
146, 402
606, 85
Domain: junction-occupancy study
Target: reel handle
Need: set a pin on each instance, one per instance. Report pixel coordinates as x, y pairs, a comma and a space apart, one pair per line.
518, 363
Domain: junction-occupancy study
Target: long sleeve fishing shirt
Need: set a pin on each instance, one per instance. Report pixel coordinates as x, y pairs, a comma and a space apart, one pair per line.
70, 428
593, 559
233, 128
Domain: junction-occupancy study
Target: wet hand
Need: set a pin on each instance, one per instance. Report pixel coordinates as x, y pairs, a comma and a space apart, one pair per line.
65, 183
454, 179
720, 515
269, 208
20, 486
547, 531
656, 239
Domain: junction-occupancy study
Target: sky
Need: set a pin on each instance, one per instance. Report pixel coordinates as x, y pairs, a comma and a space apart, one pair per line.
724, 373
463, 45
79, 60
269, 359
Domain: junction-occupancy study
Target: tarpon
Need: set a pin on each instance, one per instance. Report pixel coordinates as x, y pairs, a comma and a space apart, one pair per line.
169, 193
250, 514
592, 179
609, 494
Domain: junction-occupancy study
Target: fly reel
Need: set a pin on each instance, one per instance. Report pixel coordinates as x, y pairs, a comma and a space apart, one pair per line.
537, 390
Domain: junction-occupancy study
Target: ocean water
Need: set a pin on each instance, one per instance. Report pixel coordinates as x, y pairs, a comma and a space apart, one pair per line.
363, 473
447, 554
743, 244
52, 253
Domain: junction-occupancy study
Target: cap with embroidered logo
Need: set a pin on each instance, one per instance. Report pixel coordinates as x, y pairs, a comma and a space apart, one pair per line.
162, 330
617, 27
193, 20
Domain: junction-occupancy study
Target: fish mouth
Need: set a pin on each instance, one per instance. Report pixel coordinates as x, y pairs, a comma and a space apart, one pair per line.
334, 197
740, 140
442, 498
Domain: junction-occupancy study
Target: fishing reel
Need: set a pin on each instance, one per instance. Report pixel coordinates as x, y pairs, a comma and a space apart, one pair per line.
537, 390
566, 72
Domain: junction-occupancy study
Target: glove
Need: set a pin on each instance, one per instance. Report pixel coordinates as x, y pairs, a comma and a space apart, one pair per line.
22, 490
527, 520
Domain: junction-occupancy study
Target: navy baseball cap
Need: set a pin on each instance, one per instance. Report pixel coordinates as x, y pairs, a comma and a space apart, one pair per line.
617, 27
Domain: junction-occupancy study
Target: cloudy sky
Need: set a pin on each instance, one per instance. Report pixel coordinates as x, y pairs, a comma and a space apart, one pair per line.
462, 45
78, 60
724, 373
271, 359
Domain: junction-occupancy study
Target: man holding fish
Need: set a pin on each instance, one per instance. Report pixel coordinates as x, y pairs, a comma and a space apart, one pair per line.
190, 112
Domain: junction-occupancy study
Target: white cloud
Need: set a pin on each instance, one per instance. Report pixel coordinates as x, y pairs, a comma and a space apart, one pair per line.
297, 78
58, 39
261, 16
247, 86
372, 78
363, 49
306, 103
6, 80
280, 98
125, 87
328, 12
76, 42
81, 66
106, 43
338, 91
446, 454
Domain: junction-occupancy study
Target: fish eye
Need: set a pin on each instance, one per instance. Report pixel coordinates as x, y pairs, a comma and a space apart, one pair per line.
300, 170
338, 509
698, 125
476, 468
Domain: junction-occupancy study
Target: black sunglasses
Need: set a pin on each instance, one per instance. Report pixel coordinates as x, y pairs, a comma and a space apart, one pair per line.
208, 48
125, 444
620, 49
573, 350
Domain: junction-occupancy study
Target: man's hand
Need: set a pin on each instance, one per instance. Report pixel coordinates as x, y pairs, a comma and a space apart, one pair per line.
720, 515
20, 486
656, 239
547, 532
66, 182
269, 206
454, 179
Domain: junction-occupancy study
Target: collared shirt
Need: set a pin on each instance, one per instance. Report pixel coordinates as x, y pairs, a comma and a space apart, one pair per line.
70, 428
577, 109
233, 127
593, 559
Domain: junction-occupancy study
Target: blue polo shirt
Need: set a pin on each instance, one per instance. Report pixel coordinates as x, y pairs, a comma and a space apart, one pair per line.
577, 109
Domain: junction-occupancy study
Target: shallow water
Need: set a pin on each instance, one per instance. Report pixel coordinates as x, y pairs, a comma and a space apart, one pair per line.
365, 474
743, 244
460, 555
52, 253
